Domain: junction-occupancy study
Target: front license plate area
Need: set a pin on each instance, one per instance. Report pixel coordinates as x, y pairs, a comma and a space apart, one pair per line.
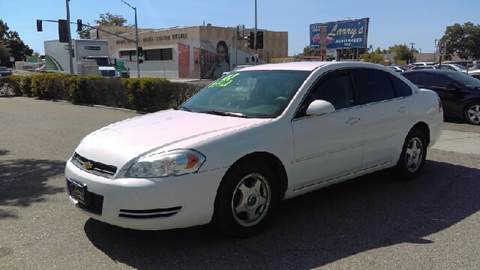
77, 191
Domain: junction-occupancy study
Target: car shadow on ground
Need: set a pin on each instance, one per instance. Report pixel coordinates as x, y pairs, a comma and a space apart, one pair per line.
313, 230
24, 181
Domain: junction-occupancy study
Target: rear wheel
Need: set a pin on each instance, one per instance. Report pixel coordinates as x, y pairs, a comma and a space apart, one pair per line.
413, 154
245, 199
472, 113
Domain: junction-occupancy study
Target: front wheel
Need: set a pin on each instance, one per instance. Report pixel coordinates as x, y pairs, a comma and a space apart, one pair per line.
472, 113
413, 155
245, 199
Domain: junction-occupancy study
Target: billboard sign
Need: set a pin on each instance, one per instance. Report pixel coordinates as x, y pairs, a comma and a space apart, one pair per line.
339, 34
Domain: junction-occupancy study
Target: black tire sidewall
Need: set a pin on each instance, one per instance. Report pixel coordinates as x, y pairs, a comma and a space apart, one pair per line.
223, 216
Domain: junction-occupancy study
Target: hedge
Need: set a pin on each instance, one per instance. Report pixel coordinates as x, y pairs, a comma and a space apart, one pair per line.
144, 94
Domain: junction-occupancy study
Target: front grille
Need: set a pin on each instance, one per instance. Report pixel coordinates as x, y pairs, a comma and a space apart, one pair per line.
149, 213
94, 167
94, 203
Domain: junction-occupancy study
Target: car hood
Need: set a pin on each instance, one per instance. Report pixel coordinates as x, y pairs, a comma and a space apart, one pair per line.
120, 142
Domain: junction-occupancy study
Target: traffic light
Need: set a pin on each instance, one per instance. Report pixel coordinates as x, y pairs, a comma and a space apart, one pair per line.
63, 30
260, 40
140, 52
251, 40
39, 26
79, 25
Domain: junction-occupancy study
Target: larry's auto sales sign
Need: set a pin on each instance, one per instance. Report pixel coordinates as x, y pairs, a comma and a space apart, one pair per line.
339, 34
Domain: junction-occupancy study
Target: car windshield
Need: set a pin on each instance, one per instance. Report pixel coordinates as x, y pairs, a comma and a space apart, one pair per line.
255, 94
464, 79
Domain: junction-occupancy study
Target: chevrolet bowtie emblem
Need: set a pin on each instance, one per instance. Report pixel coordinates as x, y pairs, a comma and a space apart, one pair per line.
87, 165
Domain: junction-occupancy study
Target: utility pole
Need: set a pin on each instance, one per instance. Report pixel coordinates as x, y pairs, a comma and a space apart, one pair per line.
411, 50
70, 49
136, 37
256, 29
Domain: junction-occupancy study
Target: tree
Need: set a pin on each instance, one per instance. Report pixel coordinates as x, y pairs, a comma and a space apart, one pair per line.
462, 40
402, 53
11, 39
108, 19
309, 51
4, 54
3, 30
105, 19
377, 57
85, 33
18, 49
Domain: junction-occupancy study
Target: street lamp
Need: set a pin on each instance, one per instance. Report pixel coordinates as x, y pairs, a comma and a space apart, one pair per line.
136, 37
70, 48
256, 30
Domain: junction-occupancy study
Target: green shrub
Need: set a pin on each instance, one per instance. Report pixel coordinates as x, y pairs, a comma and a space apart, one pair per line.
48, 86
144, 94
13, 83
26, 86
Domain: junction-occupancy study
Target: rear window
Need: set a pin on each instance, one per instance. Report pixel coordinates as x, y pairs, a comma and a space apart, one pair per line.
411, 76
401, 89
372, 85
464, 79
430, 80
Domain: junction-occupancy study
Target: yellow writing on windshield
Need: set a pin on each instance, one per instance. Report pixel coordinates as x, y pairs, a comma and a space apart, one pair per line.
224, 81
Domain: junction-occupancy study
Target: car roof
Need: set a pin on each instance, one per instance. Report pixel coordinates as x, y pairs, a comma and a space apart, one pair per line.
432, 71
308, 66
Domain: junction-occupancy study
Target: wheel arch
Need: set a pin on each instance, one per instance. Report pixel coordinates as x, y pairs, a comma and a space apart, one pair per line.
424, 128
273, 162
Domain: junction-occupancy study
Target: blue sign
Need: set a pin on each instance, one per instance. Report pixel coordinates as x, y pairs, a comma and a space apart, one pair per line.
340, 34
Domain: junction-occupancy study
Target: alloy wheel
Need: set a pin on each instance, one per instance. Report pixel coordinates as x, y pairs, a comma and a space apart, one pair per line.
414, 154
251, 200
473, 114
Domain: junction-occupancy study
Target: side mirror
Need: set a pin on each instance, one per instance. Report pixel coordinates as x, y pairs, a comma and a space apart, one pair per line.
320, 107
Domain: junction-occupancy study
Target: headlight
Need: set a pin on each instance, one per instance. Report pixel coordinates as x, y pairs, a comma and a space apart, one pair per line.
177, 162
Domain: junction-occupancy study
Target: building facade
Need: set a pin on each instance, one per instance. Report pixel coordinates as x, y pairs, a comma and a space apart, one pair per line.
197, 52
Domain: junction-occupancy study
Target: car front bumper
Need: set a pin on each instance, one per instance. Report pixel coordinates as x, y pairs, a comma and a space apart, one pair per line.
150, 204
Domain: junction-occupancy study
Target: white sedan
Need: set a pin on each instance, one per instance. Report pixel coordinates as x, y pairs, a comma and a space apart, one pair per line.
255, 137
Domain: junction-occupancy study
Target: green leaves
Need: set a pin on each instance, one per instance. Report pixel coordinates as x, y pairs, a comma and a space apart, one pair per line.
145, 94
11, 39
462, 40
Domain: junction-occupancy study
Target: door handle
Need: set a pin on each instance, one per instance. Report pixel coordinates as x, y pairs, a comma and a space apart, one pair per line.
352, 120
402, 109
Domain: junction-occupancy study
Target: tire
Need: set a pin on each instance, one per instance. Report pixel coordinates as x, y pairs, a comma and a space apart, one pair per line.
414, 153
245, 200
472, 113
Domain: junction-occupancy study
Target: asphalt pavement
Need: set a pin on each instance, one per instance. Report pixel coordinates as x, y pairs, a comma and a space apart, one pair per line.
372, 222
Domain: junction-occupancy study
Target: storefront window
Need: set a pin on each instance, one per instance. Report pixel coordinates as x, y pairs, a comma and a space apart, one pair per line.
128, 55
159, 54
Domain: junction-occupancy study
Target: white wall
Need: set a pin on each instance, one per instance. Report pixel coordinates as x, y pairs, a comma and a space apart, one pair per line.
164, 69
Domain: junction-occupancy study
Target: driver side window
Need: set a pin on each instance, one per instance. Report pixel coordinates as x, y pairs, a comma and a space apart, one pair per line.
335, 88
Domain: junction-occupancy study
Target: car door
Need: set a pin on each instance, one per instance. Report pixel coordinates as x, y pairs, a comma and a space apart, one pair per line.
327, 146
385, 112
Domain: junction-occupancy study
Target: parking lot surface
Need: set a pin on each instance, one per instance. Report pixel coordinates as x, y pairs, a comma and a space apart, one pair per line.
372, 222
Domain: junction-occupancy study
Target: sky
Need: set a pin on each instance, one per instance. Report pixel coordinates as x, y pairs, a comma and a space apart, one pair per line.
391, 22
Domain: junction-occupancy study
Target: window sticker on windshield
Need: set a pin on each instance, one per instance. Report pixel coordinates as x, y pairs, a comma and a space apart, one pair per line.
224, 82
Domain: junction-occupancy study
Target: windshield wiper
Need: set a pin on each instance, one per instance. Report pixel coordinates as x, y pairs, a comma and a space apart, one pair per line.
234, 114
